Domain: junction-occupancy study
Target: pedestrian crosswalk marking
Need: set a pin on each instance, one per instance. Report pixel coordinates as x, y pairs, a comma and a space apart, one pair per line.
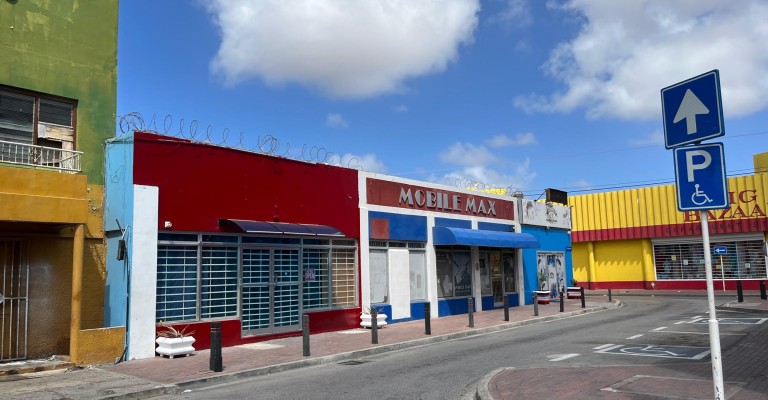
634, 337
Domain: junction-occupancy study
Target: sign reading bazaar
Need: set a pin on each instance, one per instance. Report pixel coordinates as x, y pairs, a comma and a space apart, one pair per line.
746, 214
395, 194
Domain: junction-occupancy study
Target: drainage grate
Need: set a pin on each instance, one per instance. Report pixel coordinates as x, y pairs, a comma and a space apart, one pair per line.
353, 362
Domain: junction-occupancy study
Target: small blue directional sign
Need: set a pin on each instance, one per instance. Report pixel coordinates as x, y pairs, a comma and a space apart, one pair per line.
692, 110
700, 177
719, 250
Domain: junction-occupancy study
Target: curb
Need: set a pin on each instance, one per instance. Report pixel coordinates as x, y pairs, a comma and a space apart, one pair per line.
226, 378
481, 391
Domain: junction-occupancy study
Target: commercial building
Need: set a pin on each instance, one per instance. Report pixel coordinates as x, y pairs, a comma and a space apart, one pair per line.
57, 104
637, 239
198, 233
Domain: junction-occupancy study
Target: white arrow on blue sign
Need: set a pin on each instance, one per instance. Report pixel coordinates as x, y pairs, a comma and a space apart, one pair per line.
692, 110
720, 250
700, 177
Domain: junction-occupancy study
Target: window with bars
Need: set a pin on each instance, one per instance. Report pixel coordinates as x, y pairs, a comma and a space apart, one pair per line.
218, 282
344, 282
19, 110
743, 260
176, 283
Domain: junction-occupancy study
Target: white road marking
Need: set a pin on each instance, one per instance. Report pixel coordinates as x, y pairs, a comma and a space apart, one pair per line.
659, 329
561, 357
603, 346
703, 333
634, 337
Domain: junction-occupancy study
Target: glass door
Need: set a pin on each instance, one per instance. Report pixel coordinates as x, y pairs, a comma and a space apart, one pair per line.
497, 279
271, 291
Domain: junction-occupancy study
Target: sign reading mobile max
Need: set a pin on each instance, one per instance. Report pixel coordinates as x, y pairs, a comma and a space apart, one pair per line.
693, 111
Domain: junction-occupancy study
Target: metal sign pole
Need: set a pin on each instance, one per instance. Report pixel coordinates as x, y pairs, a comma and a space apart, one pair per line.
722, 271
714, 330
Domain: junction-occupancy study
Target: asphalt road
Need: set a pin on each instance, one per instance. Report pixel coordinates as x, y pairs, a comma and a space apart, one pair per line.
646, 331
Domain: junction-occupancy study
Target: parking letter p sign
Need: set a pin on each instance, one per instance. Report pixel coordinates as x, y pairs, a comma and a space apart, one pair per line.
691, 166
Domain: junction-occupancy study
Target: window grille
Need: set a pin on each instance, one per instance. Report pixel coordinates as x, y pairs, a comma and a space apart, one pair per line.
315, 264
218, 285
176, 283
417, 245
677, 261
397, 244
343, 273
378, 244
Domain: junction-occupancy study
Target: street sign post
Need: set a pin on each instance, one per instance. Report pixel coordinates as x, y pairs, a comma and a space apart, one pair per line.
719, 250
700, 177
692, 110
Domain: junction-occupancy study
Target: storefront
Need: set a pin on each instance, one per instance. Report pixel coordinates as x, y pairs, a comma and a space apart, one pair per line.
422, 242
638, 239
198, 233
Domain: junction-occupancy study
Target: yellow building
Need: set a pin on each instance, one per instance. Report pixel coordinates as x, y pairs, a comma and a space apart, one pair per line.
58, 85
637, 238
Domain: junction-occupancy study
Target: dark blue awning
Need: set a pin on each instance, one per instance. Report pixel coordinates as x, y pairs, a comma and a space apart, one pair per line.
472, 237
280, 228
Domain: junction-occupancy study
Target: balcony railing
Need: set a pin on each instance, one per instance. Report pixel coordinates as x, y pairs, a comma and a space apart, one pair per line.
39, 156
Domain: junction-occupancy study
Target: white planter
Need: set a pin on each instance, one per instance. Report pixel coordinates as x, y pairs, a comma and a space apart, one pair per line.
381, 320
172, 347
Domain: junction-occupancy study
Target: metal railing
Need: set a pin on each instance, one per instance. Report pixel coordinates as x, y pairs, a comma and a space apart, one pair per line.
39, 156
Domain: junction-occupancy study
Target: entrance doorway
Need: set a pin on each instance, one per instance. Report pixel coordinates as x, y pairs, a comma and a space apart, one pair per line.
271, 290
501, 271
14, 287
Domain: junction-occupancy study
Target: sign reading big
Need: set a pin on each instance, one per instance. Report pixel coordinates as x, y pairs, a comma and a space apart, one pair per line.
401, 195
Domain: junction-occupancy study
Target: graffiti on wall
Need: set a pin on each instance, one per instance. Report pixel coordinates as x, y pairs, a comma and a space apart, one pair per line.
550, 268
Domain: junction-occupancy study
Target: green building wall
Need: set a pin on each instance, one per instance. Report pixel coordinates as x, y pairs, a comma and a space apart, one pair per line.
66, 48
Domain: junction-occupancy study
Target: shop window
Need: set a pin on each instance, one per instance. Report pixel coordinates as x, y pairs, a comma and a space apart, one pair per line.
454, 277
744, 259
418, 274
508, 260
176, 283
27, 117
218, 282
379, 276
316, 289
343, 268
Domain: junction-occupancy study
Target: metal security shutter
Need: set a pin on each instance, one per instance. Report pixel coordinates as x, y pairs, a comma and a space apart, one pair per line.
684, 259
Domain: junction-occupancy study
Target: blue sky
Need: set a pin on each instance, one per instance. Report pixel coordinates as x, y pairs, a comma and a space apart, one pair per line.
510, 93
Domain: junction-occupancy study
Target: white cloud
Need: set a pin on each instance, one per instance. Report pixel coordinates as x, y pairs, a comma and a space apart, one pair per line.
655, 138
400, 108
467, 154
367, 162
581, 185
520, 139
350, 49
336, 121
515, 14
519, 178
627, 51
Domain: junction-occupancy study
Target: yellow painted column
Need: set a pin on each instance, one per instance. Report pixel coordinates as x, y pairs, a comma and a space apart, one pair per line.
591, 276
648, 267
77, 293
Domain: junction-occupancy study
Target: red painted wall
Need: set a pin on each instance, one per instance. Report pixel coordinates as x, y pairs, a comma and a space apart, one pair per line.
201, 183
746, 284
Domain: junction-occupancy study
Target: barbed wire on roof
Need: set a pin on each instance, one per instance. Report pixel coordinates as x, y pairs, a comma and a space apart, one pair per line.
473, 184
267, 144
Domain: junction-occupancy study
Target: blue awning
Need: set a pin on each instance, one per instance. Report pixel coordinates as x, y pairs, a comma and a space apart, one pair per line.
282, 228
472, 237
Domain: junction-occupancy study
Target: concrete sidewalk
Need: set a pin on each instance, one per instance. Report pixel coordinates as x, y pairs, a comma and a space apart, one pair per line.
745, 371
156, 376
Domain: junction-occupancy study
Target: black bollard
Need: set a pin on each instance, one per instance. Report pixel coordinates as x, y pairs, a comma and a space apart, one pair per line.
470, 302
583, 299
739, 292
762, 291
216, 362
374, 326
427, 321
562, 301
535, 304
506, 308
305, 333
610, 298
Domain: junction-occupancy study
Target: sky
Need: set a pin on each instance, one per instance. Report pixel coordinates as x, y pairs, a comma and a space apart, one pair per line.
518, 94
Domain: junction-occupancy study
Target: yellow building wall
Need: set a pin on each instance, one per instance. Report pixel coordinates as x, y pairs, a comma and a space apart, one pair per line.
620, 260
580, 260
101, 345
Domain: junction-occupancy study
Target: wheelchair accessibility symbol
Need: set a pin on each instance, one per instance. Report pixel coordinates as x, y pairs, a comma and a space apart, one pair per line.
699, 197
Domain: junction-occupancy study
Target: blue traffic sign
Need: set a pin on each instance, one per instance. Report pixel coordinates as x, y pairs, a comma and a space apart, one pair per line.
700, 177
719, 250
692, 110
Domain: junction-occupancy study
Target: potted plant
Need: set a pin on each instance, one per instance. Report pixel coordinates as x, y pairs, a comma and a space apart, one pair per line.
173, 342
372, 312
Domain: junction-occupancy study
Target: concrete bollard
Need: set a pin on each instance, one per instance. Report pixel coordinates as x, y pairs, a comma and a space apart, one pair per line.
762, 291
506, 308
470, 303
305, 333
374, 326
535, 304
739, 292
216, 361
427, 320
583, 299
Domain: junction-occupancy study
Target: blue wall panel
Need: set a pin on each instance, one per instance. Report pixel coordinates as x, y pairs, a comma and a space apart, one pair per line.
401, 227
453, 223
490, 226
551, 240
